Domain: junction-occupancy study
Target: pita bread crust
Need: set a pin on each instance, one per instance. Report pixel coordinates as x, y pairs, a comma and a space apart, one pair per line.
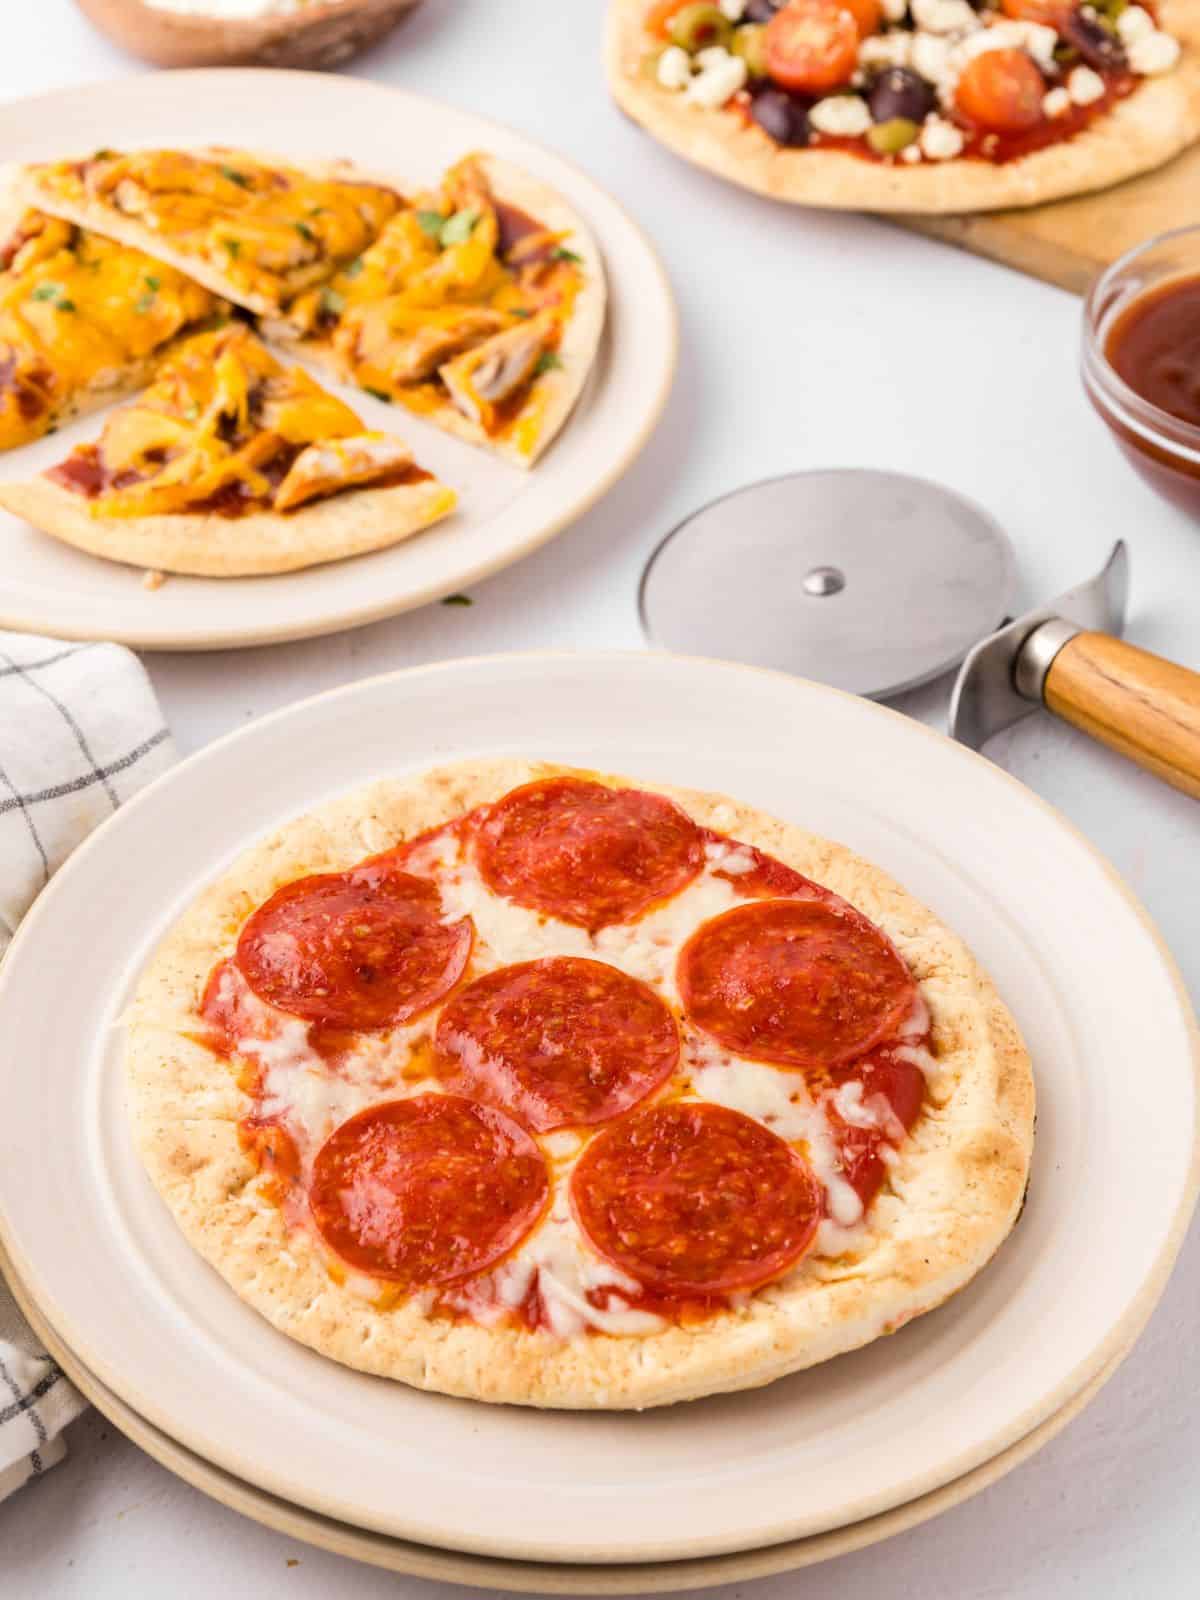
113, 224
202, 544
953, 1196
1158, 120
556, 391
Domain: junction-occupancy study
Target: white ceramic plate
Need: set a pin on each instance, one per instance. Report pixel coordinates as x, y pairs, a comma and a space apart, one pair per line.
503, 513
1114, 1176
525, 1577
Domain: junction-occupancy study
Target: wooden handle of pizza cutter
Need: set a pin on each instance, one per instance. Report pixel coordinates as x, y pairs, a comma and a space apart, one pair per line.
1136, 703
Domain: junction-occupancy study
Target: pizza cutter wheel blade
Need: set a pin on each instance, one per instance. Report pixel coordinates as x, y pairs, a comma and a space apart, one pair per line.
1069, 657
870, 581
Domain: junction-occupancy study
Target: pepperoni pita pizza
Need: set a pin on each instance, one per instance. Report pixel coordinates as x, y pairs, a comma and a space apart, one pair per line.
547, 1087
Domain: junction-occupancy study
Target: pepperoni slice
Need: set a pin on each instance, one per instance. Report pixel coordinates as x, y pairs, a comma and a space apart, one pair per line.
585, 853
756, 875
559, 1042
801, 983
692, 1198
427, 1191
881, 1078
361, 949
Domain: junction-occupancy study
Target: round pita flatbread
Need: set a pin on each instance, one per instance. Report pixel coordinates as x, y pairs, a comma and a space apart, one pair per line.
203, 544
953, 1190
1156, 121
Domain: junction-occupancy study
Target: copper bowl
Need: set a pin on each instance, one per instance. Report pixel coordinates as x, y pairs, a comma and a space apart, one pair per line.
323, 34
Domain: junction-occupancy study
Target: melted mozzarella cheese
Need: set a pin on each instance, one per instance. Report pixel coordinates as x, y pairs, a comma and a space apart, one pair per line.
311, 1097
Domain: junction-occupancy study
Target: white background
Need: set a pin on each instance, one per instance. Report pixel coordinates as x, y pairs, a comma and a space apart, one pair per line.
808, 340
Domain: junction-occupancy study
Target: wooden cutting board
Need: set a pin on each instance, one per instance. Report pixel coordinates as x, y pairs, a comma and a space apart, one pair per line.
1069, 241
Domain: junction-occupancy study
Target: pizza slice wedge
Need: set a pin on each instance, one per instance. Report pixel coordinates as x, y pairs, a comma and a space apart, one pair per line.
83, 321
254, 229
478, 307
232, 464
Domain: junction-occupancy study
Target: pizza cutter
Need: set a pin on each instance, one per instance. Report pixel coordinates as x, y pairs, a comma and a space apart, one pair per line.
870, 581
1069, 657
876, 582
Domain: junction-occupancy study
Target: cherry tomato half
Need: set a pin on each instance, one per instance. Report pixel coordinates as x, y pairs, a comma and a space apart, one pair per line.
867, 14
1002, 91
1050, 13
812, 45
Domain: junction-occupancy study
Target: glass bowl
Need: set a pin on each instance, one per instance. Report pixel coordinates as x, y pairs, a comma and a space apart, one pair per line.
1163, 448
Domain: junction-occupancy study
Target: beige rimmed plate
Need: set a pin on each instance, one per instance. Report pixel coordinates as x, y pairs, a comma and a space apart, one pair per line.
1090, 983
523, 1577
504, 512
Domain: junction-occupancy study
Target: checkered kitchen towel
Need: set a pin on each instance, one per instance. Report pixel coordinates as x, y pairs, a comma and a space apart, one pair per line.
80, 731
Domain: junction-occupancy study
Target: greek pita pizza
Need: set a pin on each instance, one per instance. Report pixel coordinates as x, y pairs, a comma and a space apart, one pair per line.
912, 105
534, 1085
478, 304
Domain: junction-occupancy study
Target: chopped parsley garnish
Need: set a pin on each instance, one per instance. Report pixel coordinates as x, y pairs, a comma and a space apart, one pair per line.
146, 300
305, 232
233, 246
522, 311
332, 302
567, 255
55, 293
547, 362
234, 176
458, 227
457, 600
433, 222
355, 267
103, 155
380, 394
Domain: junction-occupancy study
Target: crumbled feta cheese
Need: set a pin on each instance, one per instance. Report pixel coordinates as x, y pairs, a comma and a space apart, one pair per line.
1056, 103
732, 9
895, 10
940, 140
674, 68
886, 49
944, 16
911, 153
713, 55
1085, 86
843, 115
1040, 41
1135, 22
717, 82
1153, 53
930, 56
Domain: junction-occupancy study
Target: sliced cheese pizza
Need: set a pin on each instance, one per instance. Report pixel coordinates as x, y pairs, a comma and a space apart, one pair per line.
477, 304
232, 464
542, 1086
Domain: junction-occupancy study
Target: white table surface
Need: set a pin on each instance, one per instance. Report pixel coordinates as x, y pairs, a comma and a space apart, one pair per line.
808, 340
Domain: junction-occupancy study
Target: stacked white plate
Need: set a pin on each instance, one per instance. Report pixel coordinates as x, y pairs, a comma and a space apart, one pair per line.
732, 1487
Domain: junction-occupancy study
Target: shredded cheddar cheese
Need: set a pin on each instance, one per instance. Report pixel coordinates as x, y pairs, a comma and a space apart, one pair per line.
271, 231
76, 313
460, 300
226, 428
